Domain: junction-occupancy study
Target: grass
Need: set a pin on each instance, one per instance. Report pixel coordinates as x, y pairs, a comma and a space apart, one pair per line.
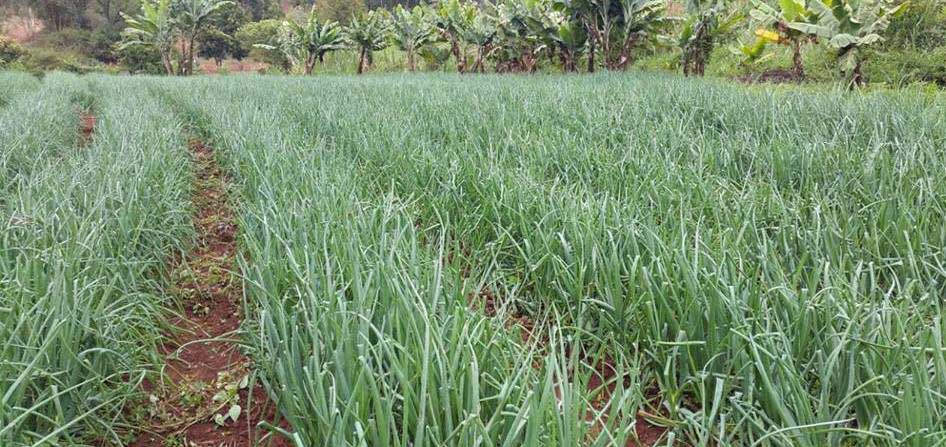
84, 234
13, 84
463, 260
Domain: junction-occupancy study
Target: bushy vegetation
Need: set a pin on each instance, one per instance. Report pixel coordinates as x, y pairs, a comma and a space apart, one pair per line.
892, 42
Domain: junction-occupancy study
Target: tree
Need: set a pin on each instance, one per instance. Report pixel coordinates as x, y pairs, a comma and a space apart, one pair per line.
109, 10
261, 9
451, 16
190, 18
308, 42
367, 33
778, 29
849, 26
411, 29
262, 40
216, 41
568, 33
60, 14
153, 27
218, 45
617, 26
479, 31
707, 21
341, 11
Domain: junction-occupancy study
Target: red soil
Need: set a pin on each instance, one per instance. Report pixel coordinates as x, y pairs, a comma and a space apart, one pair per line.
86, 127
201, 357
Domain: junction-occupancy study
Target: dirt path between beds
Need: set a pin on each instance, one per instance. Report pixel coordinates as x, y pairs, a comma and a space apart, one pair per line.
208, 396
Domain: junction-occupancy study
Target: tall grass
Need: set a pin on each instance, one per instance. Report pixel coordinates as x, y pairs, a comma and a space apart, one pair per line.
14, 83
775, 258
446, 260
39, 125
82, 241
364, 335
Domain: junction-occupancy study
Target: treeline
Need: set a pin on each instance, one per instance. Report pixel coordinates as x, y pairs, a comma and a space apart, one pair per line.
771, 37
88, 35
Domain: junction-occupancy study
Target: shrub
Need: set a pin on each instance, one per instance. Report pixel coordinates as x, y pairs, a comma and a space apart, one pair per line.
341, 11
264, 32
140, 60
907, 66
922, 25
98, 44
10, 51
40, 60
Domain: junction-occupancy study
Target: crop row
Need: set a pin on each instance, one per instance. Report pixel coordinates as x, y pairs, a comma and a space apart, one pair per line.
83, 236
762, 268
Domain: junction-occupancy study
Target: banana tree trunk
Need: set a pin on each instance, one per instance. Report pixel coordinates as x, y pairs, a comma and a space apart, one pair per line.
591, 57
478, 66
361, 61
309, 64
797, 67
181, 64
168, 65
411, 65
857, 76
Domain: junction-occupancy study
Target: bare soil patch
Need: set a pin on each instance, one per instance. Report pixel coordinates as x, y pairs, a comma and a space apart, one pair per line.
86, 127
208, 396
776, 76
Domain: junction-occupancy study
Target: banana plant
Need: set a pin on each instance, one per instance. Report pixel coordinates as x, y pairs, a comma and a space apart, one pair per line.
525, 32
849, 26
152, 27
190, 16
411, 29
706, 23
571, 38
308, 42
368, 32
450, 20
616, 27
480, 34
640, 20
777, 28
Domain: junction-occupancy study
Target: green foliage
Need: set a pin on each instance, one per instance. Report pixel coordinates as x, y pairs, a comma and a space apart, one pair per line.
190, 17
783, 25
305, 43
153, 27
849, 26
40, 60
260, 37
218, 45
100, 44
162, 23
141, 60
368, 33
341, 11
435, 55
901, 67
217, 40
261, 9
707, 23
10, 51
920, 26
411, 30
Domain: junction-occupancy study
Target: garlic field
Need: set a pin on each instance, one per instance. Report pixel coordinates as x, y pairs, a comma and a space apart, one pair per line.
446, 260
